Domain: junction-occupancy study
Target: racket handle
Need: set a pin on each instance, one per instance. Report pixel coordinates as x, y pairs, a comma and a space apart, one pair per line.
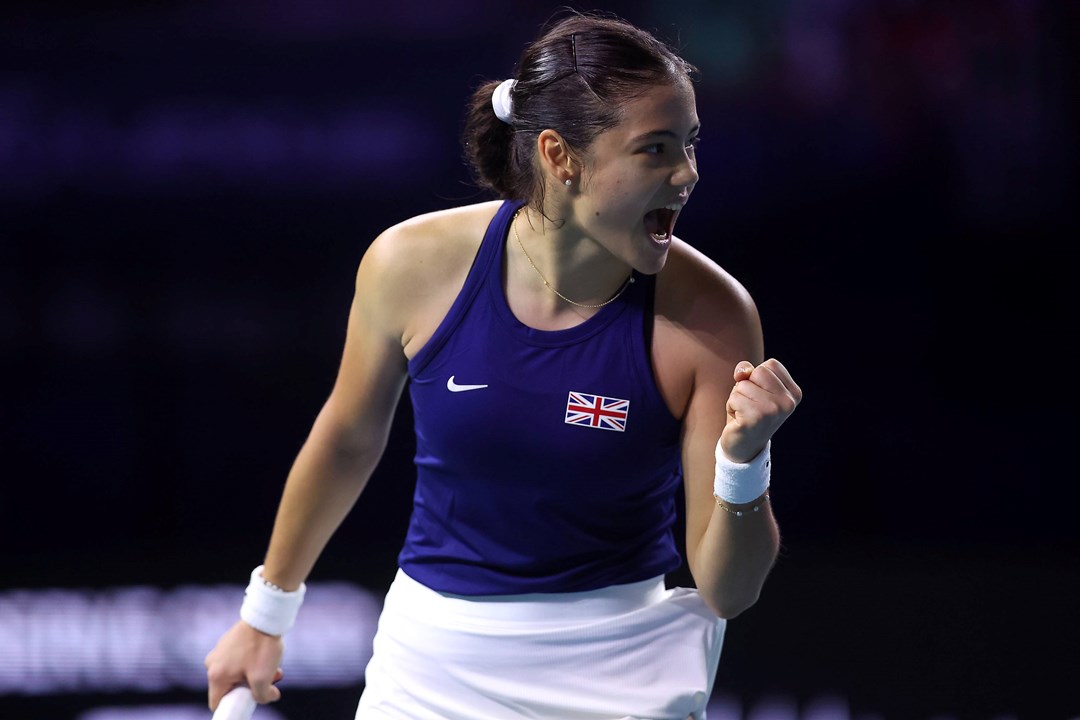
238, 704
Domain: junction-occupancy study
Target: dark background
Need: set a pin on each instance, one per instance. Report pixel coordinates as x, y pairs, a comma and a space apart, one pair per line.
186, 190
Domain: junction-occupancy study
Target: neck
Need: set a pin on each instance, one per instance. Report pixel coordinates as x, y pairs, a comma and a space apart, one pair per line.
563, 268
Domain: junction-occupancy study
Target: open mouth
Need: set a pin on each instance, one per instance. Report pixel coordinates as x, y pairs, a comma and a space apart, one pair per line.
660, 223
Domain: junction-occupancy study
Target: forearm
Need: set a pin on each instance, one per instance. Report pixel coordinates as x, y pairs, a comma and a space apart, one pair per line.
734, 556
327, 477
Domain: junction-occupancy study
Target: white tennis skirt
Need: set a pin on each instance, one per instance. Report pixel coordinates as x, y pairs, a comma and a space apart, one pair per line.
637, 651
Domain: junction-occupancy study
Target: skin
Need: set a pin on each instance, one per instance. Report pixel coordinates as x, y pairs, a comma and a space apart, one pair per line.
707, 354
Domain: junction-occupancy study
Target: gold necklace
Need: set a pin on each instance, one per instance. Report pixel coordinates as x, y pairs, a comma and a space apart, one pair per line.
613, 298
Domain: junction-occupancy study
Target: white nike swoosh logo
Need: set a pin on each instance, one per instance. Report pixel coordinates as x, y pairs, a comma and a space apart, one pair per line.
454, 387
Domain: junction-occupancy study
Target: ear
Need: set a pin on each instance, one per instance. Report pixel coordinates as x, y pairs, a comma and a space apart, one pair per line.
556, 159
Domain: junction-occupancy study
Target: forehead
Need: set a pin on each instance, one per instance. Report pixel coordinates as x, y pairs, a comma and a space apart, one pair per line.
671, 107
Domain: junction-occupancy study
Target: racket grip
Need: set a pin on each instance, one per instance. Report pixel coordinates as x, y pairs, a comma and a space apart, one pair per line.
238, 704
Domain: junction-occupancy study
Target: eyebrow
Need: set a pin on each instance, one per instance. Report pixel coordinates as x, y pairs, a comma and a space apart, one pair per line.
663, 133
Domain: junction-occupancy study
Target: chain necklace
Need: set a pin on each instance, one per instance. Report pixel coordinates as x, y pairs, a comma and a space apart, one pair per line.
613, 298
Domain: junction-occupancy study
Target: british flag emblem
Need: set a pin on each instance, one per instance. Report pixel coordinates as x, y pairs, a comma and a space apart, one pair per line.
597, 411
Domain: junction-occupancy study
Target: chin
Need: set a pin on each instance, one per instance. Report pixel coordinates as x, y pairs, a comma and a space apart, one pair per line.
653, 263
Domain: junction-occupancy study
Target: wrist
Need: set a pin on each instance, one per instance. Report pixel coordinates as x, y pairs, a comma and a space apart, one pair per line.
740, 510
268, 608
740, 483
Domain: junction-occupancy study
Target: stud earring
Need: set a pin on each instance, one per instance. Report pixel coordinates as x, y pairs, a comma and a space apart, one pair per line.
568, 182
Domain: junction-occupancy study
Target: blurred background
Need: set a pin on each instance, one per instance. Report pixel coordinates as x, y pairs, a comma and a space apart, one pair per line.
186, 189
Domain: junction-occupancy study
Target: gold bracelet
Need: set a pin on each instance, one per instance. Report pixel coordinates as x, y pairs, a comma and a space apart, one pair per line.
272, 586
740, 513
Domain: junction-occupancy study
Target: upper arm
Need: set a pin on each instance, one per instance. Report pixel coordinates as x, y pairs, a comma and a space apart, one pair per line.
406, 282
711, 325
373, 368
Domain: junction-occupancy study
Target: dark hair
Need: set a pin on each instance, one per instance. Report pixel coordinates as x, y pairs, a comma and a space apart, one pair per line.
574, 79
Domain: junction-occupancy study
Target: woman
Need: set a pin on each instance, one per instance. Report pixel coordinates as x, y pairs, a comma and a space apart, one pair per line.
570, 363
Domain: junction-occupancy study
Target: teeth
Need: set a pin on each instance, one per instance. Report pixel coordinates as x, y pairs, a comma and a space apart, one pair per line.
674, 206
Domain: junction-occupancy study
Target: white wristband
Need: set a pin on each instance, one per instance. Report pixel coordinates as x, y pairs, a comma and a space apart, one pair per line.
738, 483
268, 608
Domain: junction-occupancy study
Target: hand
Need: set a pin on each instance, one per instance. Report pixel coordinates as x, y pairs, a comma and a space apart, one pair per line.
761, 400
245, 656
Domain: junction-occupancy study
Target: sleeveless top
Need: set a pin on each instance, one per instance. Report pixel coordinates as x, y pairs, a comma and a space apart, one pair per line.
547, 461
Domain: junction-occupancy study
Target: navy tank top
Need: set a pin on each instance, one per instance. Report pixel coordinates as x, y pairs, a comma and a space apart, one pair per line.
547, 461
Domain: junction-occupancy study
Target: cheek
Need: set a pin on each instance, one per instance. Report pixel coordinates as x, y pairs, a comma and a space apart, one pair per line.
620, 191
616, 197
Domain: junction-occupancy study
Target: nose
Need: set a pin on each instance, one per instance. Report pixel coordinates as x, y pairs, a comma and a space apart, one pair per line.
686, 174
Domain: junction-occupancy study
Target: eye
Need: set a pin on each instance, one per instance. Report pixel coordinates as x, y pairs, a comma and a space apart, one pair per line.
694, 142
654, 149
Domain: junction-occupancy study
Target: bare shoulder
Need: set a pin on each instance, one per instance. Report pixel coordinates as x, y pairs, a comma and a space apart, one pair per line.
414, 269
431, 239
694, 291
705, 323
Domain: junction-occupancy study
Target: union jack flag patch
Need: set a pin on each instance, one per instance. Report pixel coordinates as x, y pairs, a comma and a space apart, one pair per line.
597, 411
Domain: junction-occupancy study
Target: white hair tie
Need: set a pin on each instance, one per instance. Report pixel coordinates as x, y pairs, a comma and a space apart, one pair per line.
502, 102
